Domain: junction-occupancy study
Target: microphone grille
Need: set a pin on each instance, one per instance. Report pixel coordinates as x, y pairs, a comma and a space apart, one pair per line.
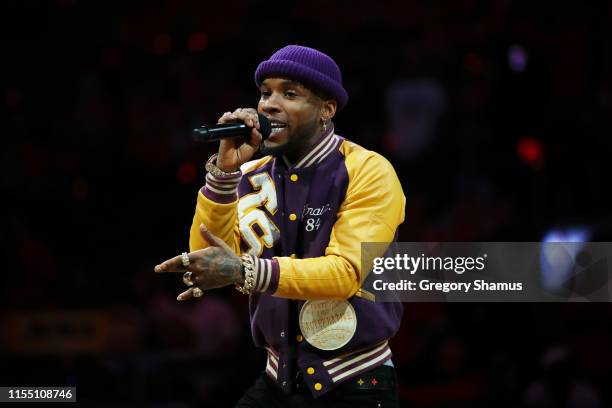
265, 127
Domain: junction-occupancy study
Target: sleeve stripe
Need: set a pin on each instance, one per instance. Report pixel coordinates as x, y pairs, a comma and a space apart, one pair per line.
272, 284
221, 198
221, 183
232, 179
223, 192
257, 275
266, 276
221, 186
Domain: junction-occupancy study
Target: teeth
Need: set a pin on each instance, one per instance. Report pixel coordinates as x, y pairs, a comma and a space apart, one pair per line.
278, 125
276, 130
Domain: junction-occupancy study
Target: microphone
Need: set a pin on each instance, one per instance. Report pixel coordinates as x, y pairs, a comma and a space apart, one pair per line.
216, 132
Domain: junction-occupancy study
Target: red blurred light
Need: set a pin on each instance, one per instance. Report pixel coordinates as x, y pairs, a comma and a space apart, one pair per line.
161, 44
531, 151
186, 173
198, 42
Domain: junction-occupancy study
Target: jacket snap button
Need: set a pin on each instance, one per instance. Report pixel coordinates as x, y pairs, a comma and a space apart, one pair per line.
310, 370
318, 386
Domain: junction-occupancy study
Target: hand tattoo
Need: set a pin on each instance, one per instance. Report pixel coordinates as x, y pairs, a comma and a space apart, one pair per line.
215, 267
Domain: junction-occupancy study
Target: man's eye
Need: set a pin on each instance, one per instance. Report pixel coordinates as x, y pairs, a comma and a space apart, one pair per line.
290, 94
265, 93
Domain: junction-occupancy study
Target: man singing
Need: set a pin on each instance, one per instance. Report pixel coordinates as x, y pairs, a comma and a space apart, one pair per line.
286, 230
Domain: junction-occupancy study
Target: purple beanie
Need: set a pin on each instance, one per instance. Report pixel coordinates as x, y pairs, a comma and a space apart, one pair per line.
307, 65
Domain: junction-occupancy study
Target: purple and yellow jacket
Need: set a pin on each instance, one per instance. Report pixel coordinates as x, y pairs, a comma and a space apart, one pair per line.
305, 223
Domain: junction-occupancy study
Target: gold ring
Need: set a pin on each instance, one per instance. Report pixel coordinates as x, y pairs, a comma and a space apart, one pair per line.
185, 259
196, 292
187, 278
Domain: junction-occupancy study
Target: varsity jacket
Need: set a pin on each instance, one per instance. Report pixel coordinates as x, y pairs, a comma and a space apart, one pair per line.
304, 224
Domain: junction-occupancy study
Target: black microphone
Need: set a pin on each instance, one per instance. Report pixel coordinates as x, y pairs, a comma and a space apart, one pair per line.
222, 131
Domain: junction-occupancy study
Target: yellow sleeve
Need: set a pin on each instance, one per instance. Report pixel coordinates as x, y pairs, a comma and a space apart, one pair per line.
220, 219
371, 212
220, 214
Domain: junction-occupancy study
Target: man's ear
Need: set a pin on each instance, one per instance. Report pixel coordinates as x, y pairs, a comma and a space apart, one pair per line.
328, 109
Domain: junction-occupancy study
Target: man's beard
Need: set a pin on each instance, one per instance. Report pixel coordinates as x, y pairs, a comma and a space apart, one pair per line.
275, 151
295, 143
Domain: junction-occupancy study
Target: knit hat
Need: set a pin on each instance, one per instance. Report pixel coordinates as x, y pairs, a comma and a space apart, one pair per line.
307, 65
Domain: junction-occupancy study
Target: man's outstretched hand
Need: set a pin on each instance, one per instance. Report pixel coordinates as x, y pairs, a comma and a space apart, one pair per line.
212, 267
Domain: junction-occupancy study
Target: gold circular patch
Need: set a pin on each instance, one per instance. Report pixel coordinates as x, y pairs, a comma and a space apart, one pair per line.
328, 324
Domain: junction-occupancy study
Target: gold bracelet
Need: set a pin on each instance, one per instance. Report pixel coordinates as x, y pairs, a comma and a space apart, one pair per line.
212, 168
249, 274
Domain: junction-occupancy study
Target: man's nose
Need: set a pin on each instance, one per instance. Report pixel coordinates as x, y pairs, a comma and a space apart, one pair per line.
270, 104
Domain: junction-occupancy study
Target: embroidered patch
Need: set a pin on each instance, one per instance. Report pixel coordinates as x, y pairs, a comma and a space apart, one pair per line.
328, 324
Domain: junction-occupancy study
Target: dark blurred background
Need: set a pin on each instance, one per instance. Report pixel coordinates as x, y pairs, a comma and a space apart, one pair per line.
495, 114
